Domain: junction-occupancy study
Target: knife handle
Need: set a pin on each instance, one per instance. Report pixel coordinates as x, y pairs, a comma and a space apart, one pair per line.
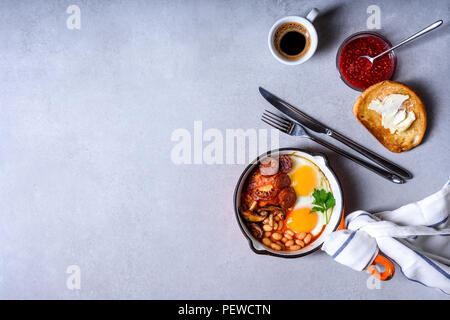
370, 154
384, 173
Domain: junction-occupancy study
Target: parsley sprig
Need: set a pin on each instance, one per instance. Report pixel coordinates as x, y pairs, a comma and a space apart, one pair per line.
323, 201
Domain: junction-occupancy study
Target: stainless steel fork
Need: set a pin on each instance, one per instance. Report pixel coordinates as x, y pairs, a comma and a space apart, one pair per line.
294, 129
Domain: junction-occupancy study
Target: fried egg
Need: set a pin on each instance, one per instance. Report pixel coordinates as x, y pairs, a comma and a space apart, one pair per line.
305, 177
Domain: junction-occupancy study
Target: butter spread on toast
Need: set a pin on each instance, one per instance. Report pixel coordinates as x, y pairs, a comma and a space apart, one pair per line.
393, 116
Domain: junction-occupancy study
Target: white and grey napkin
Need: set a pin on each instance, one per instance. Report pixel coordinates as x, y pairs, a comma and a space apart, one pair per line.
415, 236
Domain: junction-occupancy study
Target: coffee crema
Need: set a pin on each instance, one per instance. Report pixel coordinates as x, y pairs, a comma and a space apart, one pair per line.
292, 40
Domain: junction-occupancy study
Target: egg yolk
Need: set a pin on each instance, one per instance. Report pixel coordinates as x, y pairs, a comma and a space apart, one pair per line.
304, 180
302, 220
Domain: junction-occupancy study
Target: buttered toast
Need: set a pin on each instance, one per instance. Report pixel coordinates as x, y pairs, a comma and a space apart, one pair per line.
393, 113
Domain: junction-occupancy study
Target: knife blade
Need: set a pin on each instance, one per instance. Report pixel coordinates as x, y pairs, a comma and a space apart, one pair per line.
293, 112
319, 127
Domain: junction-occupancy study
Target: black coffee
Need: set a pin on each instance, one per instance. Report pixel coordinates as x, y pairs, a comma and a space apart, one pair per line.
292, 40
292, 43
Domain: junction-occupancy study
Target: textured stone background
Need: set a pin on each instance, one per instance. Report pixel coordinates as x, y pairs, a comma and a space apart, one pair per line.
86, 118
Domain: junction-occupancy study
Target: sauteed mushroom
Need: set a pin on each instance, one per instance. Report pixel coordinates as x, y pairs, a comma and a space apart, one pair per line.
253, 216
271, 209
256, 230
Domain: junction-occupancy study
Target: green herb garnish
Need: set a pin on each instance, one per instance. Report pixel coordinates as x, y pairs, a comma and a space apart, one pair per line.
323, 201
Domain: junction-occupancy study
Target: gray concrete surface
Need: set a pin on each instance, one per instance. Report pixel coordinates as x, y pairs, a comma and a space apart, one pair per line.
86, 176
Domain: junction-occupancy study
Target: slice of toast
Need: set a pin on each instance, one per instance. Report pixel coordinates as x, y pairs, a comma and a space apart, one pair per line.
398, 141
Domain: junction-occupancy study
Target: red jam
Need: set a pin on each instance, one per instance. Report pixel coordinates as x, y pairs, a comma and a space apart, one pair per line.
359, 72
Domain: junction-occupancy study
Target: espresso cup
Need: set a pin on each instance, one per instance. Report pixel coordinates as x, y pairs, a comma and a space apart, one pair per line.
292, 25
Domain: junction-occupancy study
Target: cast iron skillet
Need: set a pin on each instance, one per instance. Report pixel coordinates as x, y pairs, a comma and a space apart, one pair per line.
255, 244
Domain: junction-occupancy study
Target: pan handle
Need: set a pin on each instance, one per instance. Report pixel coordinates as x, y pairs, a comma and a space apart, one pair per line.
389, 268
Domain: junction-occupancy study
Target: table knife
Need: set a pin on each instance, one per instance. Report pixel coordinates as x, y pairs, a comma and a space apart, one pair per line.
318, 127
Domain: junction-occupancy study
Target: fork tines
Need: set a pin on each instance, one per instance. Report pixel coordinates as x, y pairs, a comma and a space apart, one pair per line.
276, 121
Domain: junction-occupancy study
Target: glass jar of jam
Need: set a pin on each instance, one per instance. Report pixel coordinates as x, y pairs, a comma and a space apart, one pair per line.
358, 73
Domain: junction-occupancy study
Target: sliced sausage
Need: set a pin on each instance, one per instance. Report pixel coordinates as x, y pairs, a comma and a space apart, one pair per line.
269, 166
281, 181
285, 163
287, 197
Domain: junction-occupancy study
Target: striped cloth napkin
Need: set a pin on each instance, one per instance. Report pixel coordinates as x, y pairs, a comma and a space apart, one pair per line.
415, 236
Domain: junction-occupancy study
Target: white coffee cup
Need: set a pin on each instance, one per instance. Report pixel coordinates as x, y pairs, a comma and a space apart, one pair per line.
307, 23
